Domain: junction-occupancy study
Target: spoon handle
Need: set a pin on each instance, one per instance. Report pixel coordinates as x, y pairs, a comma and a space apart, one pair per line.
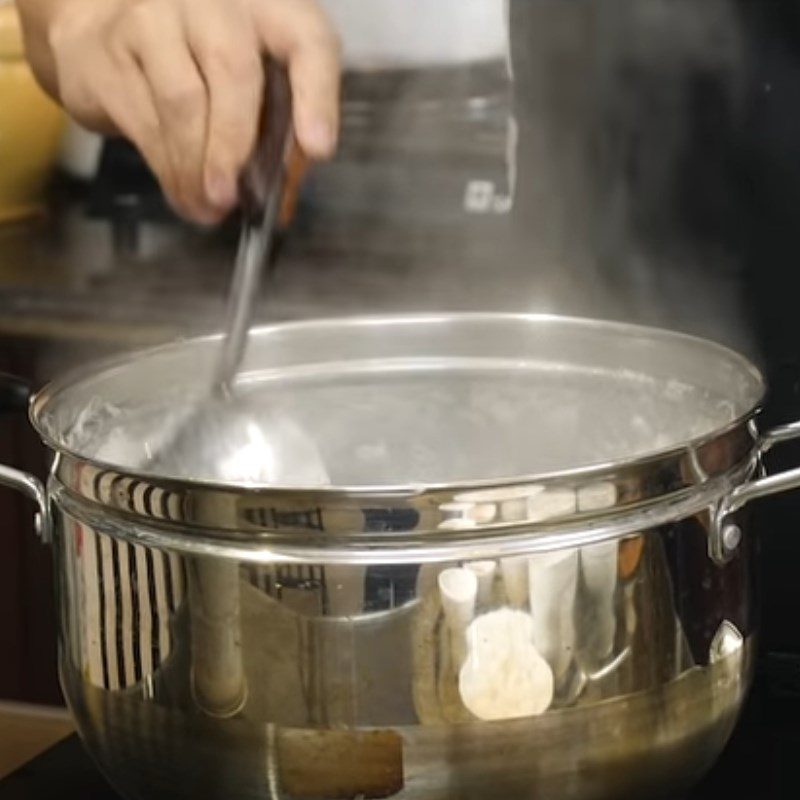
265, 168
261, 191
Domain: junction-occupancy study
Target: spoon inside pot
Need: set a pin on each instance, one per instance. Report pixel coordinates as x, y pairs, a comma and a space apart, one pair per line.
221, 436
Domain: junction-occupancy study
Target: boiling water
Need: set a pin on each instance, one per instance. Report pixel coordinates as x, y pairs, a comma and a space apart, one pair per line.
436, 421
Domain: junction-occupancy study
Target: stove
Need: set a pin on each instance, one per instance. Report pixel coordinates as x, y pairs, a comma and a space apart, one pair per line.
760, 762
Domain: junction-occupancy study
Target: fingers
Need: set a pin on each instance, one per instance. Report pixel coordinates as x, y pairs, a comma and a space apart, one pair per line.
126, 96
183, 79
314, 73
152, 35
298, 33
113, 99
227, 53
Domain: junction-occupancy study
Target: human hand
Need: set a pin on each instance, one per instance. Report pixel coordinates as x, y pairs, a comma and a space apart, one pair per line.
184, 81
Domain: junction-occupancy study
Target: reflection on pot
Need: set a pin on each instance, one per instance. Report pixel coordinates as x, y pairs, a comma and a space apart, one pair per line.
122, 600
381, 681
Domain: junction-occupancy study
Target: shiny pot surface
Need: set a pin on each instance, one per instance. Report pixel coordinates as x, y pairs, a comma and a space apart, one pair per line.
513, 627
343, 681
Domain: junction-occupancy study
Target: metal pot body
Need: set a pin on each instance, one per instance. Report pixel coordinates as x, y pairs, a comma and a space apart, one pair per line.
199, 676
531, 574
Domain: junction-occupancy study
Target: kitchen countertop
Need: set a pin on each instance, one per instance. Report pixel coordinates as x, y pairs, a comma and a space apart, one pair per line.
63, 280
63, 277
26, 731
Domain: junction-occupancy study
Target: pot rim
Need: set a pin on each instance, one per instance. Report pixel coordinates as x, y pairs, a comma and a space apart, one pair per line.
499, 542
488, 507
47, 394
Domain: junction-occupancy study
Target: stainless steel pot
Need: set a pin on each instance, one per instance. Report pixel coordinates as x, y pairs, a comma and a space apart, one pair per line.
532, 574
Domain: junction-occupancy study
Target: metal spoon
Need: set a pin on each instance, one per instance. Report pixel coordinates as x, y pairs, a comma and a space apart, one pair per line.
261, 191
220, 436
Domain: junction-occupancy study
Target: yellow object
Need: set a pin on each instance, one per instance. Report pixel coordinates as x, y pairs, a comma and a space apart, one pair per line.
30, 126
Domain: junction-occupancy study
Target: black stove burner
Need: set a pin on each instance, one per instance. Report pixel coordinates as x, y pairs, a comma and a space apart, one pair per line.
760, 762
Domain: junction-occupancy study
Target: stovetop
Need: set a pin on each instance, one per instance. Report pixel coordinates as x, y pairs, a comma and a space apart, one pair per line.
760, 762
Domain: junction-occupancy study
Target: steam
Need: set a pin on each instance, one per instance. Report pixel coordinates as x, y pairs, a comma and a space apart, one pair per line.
671, 104
627, 181
581, 164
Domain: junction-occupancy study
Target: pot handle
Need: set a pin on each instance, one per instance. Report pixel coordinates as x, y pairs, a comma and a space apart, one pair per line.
771, 484
32, 487
14, 398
